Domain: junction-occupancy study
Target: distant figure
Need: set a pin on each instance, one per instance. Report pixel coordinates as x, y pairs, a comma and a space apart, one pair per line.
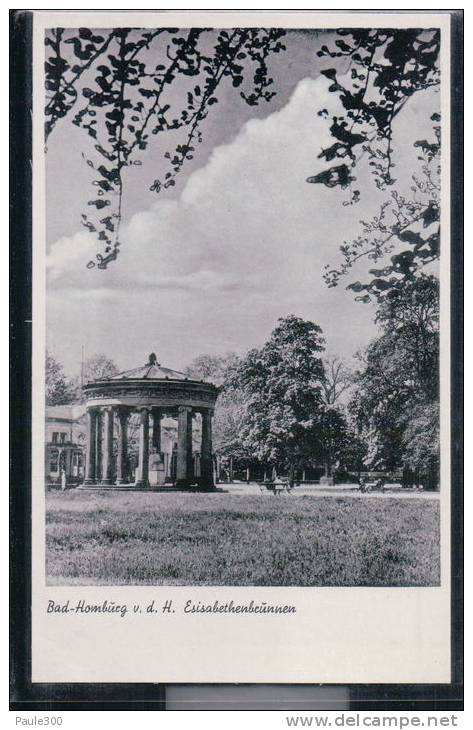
63, 479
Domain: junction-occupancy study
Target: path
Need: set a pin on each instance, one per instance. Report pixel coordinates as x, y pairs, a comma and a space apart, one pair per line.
340, 490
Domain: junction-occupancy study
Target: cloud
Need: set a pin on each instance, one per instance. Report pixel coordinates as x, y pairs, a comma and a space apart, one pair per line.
67, 254
245, 243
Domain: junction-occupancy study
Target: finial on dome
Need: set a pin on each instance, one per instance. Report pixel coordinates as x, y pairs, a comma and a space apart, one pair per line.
152, 359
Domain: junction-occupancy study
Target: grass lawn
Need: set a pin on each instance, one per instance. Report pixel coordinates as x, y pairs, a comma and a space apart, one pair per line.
94, 538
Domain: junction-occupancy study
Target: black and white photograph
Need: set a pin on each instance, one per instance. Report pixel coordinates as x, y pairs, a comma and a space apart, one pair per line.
242, 373
244, 381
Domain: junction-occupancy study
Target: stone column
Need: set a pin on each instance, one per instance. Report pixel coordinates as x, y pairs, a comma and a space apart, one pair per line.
197, 467
122, 446
142, 479
184, 446
98, 446
190, 460
107, 460
173, 464
91, 447
206, 463
156, 436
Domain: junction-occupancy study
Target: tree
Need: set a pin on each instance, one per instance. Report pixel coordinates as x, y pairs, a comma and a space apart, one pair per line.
387, 67
411, 316
336, 381
98, 367
229, 410
115, 86
334, 431
421, 444
398, 382
396, 391
413, 221
59, 389
333, 437
230, 415
383, 389
282, 388
211, 367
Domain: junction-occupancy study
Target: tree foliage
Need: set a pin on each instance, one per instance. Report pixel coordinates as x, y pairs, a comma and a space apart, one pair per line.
213, 368
422, 442
230, 408
405, 235
336, 381
386, 68
397, 384
335, 436
281, 383
95, 367
98, 367
116, 86
60, 390
291, 387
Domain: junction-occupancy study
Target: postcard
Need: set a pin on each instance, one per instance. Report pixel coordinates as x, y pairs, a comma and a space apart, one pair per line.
241, 347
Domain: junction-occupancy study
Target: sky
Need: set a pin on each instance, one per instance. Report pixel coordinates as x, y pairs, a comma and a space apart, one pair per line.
241, 241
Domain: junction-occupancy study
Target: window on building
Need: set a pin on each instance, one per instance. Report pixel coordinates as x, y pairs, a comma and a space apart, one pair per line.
54, 462
63, 438
55, 437
76, 463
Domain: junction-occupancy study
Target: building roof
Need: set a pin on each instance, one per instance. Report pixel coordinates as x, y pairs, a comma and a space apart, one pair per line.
70, 412
153, 370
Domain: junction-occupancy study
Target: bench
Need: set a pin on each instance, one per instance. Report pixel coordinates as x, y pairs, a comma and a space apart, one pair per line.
376, 486
275, 487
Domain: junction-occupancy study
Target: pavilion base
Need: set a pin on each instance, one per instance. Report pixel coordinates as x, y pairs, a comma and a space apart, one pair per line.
95, 486
205, 488
196, 485
194, 488
183, 483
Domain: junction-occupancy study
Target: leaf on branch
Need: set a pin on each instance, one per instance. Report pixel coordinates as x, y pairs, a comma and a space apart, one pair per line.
99, 203
430, 215
338, 175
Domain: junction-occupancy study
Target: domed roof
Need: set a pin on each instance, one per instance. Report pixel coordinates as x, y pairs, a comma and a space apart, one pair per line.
151, 385
153, 370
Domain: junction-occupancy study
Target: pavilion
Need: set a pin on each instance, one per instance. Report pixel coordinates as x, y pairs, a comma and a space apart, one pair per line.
155, 392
